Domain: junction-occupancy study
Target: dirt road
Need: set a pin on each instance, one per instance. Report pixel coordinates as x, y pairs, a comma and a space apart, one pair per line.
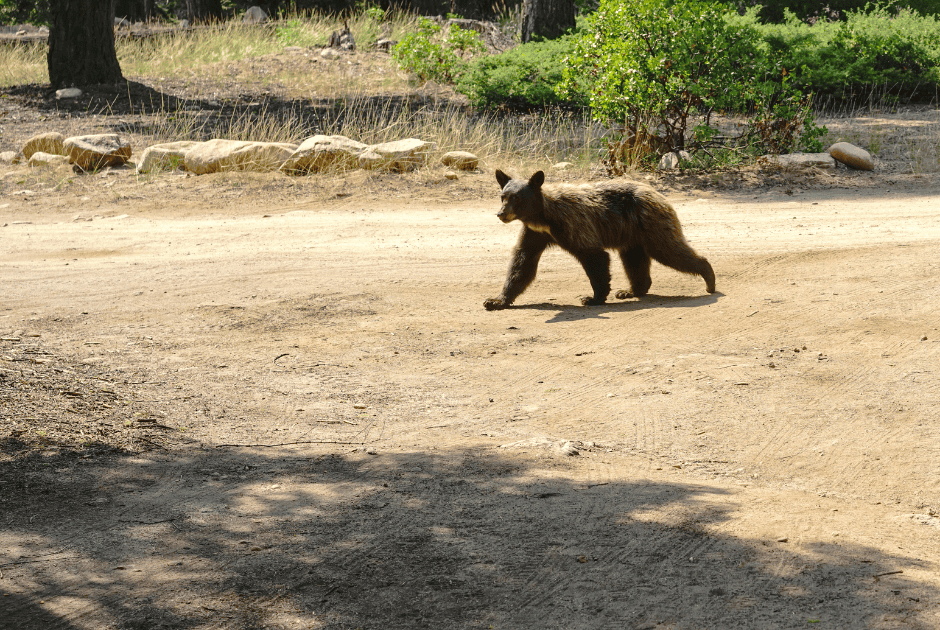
349, 440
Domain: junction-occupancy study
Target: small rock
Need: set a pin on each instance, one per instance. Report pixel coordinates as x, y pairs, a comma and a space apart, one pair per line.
852, 156
670, 161
450, 175
562, 166
329, 54
462, 160
9, 157
68, 93
40, 158
569, 449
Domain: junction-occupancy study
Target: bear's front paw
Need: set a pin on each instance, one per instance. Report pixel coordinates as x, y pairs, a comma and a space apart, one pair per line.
495, 304
592, 301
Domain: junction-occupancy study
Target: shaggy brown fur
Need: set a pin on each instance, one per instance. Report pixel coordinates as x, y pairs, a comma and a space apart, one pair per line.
587, 219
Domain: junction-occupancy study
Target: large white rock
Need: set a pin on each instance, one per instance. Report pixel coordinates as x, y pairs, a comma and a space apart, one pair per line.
800, 160
49, 142
39, 158
255, 15
237, 155
463, 160
320, 152
852, 156
398, 156
93, 152
167, 156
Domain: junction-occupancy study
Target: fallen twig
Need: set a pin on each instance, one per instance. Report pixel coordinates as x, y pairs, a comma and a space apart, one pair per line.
287, 444
143, 439
355, 424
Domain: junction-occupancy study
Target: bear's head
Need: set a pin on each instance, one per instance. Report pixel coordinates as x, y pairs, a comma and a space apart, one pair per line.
521, 199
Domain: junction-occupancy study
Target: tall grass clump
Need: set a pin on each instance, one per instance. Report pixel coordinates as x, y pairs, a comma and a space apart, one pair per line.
263, 125
23, 63
547, 137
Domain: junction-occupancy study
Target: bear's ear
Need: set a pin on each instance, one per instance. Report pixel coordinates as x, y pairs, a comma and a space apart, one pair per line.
502, 178
536, 181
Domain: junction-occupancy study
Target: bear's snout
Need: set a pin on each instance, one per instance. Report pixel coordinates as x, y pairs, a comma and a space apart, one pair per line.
506, 216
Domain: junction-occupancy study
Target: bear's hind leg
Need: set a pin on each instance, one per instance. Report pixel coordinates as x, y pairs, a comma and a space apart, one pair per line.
636, 262
680, 256
596, 264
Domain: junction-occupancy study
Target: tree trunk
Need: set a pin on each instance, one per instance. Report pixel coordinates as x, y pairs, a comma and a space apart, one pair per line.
547, 19
81, 43
203, 10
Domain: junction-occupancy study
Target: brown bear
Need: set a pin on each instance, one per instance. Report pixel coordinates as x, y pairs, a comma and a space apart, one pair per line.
587, 219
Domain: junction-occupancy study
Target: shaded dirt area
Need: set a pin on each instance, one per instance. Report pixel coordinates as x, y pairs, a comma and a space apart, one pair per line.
278, 411
246, 401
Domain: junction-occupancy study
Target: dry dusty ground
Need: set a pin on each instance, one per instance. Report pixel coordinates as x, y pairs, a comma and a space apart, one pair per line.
242, 401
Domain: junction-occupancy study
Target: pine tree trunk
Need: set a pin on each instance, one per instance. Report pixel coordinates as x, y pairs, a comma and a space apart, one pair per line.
547, 19
81, 43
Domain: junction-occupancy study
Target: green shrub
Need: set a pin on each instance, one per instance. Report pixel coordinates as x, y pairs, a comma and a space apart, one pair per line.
898, 53
660, 69
431, 56
774, 11
521, 79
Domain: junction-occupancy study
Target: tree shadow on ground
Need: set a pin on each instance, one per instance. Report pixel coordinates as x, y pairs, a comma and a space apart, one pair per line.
469, 538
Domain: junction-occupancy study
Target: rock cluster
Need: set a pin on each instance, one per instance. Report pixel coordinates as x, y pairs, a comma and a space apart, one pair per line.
315, 154
87, 153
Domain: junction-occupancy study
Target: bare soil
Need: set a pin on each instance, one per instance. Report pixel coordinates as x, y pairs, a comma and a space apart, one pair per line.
249, 401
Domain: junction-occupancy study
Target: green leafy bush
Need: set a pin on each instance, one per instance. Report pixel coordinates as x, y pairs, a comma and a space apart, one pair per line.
431, 56
521, 79
898, 52
661, 69
774, 11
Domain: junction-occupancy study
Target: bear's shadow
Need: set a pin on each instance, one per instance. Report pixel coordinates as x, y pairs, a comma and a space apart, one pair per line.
575, 312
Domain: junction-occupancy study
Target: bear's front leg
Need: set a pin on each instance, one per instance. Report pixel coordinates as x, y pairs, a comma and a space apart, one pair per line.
522, 269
